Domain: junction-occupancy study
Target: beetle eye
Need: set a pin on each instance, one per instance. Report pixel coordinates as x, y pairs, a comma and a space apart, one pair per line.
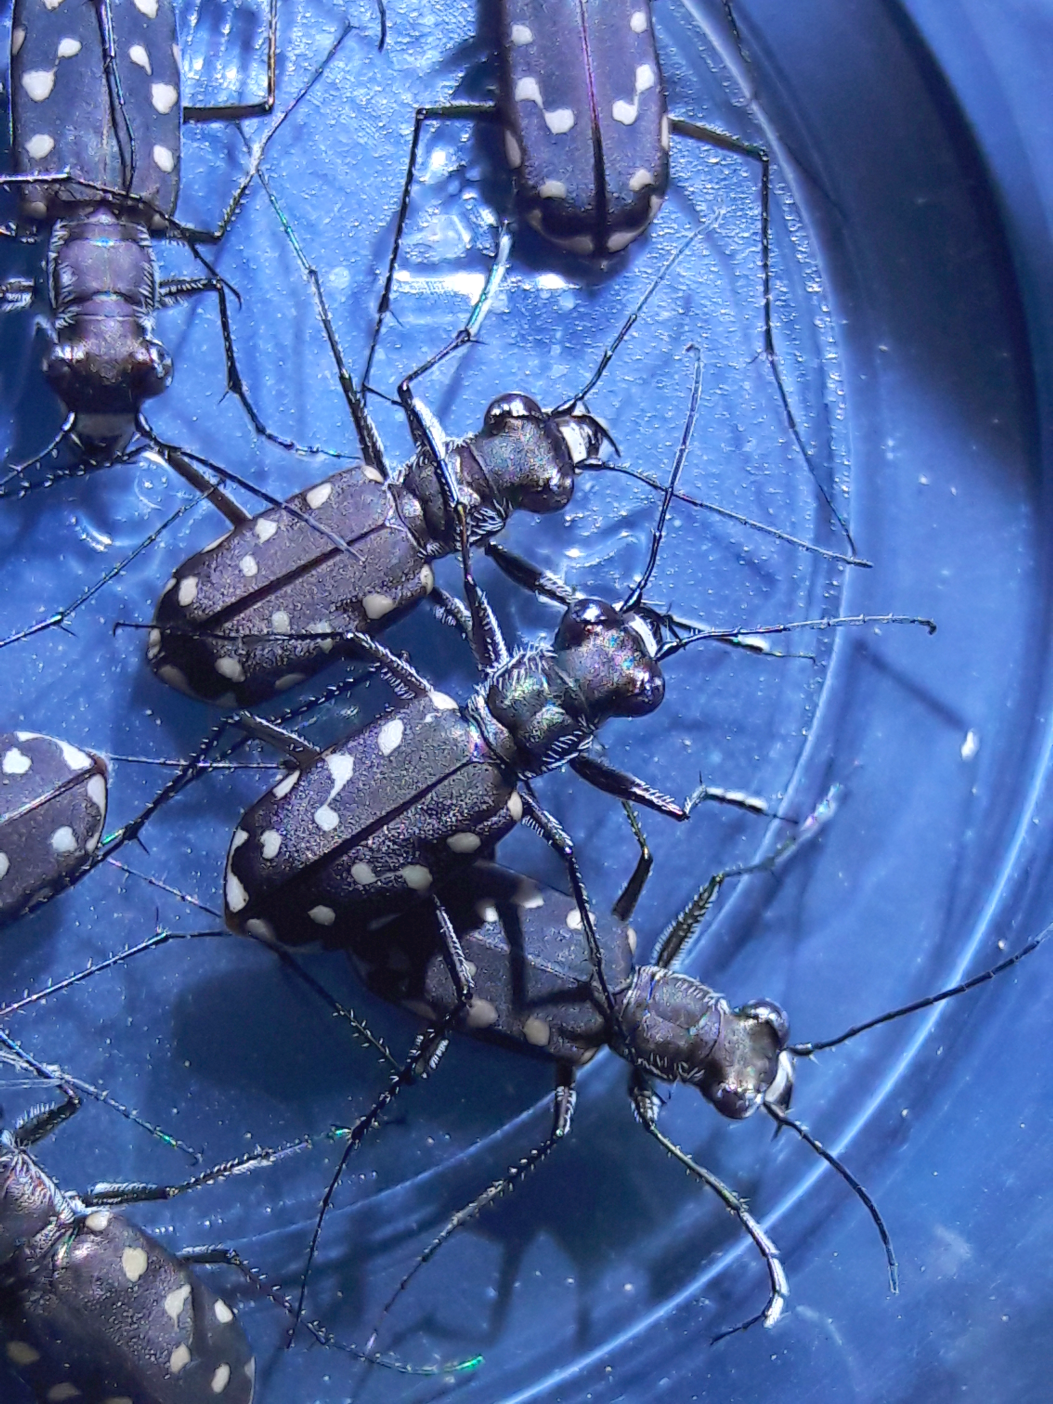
581, 617
507, 407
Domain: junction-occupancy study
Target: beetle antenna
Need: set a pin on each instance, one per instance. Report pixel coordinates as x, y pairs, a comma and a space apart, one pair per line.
626, 327
635, 595
784, 1119
598, 465
805, 1050
667, 650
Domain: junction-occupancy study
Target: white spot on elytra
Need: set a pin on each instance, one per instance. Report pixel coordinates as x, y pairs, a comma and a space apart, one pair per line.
22, 1353
39, 146
537, 1032
487, 912
134, 1262
228, 667
18, 38
224, 1315
528, 895
638, 21
363, 874
187, 590
322, 916
176, 1301
164, 97
74, 757
64, 840
140, 57
39, 83
513, 154
390, 736
630, 936
341, 767
218, 542
98, 1221
16, 762
318, 496
441, 702
376, 606
289, 680
5, 865
463, 843
286, 784
179, 1359
480, 1014
256, 926
558, 121
553, 190
415, 876
96, 788
236, 896
265, 529
270, 843
153, 644
371, 474
59, 1393
522, 34
427, 578
248, 566
147, 8
641, 179
164, 159
67, 48
280, 622
664, 131
627, 112
220, 1379
515, 806
573, 919
175, 677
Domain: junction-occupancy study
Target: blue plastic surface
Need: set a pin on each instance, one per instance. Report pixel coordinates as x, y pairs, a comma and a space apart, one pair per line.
912, 310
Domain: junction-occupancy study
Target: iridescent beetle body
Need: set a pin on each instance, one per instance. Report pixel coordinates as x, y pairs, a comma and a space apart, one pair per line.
93, 1309
52, 810
585, 121
222, 616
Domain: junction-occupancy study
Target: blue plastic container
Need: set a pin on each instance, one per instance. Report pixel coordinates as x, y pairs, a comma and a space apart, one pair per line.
911, 213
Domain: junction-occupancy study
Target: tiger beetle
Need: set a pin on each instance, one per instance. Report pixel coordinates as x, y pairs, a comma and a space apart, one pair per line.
97, 116
52, 810
586, 129
536, 992
92, 1306
264, 607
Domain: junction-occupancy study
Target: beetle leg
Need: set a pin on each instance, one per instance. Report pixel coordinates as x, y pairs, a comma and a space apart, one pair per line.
626, 787
562, 1117
645, 1105
459, 111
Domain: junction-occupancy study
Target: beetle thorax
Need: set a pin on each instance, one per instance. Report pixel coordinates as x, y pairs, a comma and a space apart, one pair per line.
680, 1030
532, 713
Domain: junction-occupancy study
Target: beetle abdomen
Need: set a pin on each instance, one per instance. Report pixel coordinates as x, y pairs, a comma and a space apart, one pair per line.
122, 131
221, 618
52, 809
373, 825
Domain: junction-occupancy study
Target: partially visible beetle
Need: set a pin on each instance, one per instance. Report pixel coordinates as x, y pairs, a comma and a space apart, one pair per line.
94, 1308
52, 810
535, 991
97, 114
